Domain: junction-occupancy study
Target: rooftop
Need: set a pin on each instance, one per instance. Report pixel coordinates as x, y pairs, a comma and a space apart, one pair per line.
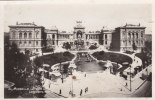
132, 26
25, 25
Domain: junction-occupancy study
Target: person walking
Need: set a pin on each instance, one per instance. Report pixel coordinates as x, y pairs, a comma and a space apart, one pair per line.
60, 91
85, 90
81, 92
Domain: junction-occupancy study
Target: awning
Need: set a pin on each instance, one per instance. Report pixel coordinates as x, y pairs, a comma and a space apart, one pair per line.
46, 65
125, 63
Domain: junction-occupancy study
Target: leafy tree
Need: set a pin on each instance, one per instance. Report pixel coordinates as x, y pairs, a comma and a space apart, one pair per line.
67, 45
92, 47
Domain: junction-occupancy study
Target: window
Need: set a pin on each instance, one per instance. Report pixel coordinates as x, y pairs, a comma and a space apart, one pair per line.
137, 35
25, 35
20, 35
13, 35
137, 42
25, 42
133, 35
105, 36
53, 36
129, 34
36, 50
36, 42
105, 42
37, 33
142, 34
142, 42
30, 35
129, 42
29, 42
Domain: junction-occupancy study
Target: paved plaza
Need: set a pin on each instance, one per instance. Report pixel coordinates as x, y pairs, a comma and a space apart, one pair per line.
92, 80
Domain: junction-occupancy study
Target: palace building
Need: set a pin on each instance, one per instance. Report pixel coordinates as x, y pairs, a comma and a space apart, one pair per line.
57, 37
29, 36
125, 37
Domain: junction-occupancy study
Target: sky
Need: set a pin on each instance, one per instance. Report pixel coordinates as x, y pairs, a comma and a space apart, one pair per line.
93, 16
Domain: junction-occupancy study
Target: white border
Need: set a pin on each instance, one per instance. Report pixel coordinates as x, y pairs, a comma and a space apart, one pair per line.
42, 2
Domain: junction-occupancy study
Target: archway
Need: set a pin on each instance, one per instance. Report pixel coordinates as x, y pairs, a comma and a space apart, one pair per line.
79, 35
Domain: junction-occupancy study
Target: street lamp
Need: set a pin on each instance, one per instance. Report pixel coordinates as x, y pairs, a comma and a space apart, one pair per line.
73, 78
130, 77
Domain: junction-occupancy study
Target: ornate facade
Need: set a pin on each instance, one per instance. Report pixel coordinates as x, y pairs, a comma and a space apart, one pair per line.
29, 36
125, 37
56, 37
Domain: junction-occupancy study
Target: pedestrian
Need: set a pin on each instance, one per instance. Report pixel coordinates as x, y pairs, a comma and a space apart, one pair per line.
60, 91
87, 89
81, 92
70, 92
126, 84
85, 75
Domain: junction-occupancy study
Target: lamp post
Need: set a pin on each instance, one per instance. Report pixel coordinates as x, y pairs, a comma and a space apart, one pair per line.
73, 78
61, 71
130, 77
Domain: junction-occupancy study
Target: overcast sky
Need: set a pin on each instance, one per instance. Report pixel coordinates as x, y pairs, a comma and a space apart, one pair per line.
93, 16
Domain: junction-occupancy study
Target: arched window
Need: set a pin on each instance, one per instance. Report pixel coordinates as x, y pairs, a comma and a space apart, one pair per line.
129, 34
13, 35
20, 35
25, 35
37, 34
30, 35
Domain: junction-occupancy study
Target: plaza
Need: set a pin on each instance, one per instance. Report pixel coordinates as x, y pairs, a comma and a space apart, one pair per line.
92, 79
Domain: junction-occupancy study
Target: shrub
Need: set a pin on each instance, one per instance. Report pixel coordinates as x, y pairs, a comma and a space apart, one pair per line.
92, 47
114, 57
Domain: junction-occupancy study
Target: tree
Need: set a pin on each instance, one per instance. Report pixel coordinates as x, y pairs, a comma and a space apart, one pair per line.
67, 45
92, 47
148, 46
